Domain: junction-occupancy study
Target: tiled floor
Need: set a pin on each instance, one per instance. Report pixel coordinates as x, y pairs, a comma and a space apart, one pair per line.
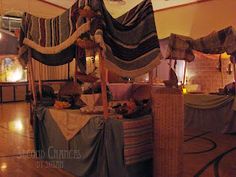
206, 155
16, 145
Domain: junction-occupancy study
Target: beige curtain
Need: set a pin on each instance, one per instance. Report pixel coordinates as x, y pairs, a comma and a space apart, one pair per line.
45, 72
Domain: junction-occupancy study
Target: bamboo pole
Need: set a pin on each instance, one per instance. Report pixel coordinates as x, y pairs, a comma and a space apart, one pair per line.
32, 76
103, 85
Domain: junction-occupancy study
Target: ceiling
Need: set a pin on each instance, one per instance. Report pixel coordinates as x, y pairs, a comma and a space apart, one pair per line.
49, 8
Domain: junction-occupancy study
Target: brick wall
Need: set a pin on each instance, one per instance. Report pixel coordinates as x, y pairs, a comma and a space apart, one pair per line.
203, 71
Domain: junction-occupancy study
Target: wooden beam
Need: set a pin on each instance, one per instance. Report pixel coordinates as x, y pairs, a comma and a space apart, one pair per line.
52, 4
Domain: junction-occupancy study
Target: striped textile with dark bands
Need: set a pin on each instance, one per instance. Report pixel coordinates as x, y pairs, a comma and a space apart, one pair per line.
181, 47
130, 44
138, 140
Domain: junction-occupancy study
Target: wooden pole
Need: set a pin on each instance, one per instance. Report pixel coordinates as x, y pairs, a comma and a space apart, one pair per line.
29, 78
151, 77
234, 69
106, 75
170, 64
40, 84
103, 85
32, 77
75, 73
221, 71
185, 70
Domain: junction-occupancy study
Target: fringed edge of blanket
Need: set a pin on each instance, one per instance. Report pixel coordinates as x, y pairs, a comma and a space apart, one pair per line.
56, 49
136, 72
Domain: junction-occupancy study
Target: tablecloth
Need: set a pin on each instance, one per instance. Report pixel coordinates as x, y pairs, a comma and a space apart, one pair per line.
210, 113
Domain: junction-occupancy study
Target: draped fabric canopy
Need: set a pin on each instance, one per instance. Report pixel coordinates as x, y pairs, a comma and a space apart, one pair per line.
129, 44
182, 47
8, 43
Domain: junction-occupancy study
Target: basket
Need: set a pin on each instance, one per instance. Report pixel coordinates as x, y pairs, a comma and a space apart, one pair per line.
168, 109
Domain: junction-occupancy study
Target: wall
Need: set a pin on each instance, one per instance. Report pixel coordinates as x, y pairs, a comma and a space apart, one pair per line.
203, 72
35, 7
196, 20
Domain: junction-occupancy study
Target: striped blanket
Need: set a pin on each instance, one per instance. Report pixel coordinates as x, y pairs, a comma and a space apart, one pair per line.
129, 47
138, 140
181, 47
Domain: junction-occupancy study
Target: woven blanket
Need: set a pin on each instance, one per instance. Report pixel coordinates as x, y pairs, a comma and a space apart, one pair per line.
181, 47
138, 140
129, 47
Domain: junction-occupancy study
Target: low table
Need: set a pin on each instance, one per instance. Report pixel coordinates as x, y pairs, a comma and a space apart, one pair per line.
208, 112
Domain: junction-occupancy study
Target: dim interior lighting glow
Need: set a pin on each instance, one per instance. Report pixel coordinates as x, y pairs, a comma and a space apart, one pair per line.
121, 2
15, 75
0, 36
225, 56
184, 90
3, 166
16, 126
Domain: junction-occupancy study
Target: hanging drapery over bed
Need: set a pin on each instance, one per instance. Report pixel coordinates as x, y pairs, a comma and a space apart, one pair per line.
130, 45
182, 47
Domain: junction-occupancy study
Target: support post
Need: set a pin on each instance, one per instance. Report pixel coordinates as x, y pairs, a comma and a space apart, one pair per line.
185, 70
234, 69
103, 85
221, 71
40, 84
30, 67
75, 73
151, 77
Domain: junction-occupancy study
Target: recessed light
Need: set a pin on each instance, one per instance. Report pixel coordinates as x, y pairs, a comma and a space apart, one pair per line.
120, 2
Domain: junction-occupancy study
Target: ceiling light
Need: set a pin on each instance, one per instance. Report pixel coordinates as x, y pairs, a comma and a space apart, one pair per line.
120, 2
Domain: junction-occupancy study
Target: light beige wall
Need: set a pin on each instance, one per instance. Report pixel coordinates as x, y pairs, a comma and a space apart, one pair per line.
35, 7
196, 20
193, 20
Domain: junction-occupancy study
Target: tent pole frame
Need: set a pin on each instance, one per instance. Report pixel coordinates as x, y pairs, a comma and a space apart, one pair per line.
32, 79
40, 84
104, 78
151, 78
185, 72
234, 70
